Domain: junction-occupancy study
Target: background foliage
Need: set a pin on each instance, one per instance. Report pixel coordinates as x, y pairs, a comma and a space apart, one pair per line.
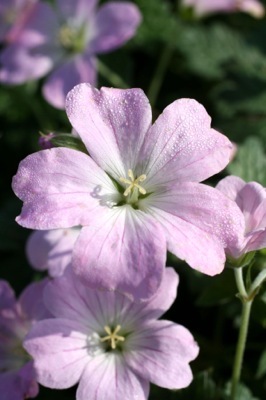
221, 62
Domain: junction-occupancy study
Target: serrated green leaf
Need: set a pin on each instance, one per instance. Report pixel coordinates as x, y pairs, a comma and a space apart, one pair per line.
250, 162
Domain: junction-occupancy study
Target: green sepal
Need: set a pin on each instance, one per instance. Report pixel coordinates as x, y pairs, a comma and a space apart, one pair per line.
242, 261
69, 141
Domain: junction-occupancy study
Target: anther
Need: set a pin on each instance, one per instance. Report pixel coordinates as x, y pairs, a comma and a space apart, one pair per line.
112, 337
133, 183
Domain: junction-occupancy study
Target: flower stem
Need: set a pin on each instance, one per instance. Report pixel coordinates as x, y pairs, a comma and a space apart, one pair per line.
111, 76
158, 76
242, 338
258, 281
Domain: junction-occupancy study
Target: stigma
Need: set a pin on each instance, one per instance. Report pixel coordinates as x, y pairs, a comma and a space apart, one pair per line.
112, 337
133, 183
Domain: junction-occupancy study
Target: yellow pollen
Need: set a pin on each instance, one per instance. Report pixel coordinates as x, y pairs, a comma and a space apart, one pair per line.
132, 182
112, 336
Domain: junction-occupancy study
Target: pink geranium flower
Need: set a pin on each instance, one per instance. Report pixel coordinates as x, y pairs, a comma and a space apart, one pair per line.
203, 7
251, 199
51, 250
137, 193
64, 38
17, 374
109, 345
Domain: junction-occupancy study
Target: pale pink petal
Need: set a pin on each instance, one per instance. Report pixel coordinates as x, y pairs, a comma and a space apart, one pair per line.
31, 303
76, 11
230, 186
51, 249
157, 305
112, 123
20, 64
252, 201
81, 68
199, 223
252, 7
60, 353
108, 377
90, 307
7, 295
60, 188
124, 252
181, 146
115, 23
160, 353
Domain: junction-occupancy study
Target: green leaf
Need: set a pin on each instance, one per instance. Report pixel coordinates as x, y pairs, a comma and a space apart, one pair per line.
68, 140
242, 393
250, 162
261, 371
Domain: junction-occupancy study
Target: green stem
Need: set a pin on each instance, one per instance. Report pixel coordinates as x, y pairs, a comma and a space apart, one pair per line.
158, 76
111, 76
242, 338
240, 282
260, 278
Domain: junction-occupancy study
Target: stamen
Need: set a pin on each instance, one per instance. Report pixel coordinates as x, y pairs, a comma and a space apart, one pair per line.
133, 183
112, 336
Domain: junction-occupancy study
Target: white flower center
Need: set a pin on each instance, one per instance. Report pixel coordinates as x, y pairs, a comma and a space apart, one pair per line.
133, 183
113, 338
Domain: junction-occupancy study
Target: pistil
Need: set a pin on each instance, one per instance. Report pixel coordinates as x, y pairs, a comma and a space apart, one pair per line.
112, 337
133, 183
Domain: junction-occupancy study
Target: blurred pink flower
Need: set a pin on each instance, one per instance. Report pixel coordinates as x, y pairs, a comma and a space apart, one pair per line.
14, 14
17, 374
137, 194
251, 199
64, 38
51, 250
109, 345
204, 7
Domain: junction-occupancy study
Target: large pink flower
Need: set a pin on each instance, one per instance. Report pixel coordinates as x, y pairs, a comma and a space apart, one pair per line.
17, 374
63, 38
110, 345
202, 7
137, 193
251, 199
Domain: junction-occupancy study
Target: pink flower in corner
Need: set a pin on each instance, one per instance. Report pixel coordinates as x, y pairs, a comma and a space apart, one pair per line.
205, 7
13, 16
109, 345
251, 199
63, 39
51, 250
137, 194
17, 374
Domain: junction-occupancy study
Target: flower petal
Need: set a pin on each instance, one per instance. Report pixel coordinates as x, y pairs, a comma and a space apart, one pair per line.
115, 23
108, 377
31, 302
60, 187
20, 384
125, 252
51, 249
7, 295
79, 69
135, 313
199, 223
230, 186
60, 353
80, 10
112, 123
160, 353
181, 146
31, 55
